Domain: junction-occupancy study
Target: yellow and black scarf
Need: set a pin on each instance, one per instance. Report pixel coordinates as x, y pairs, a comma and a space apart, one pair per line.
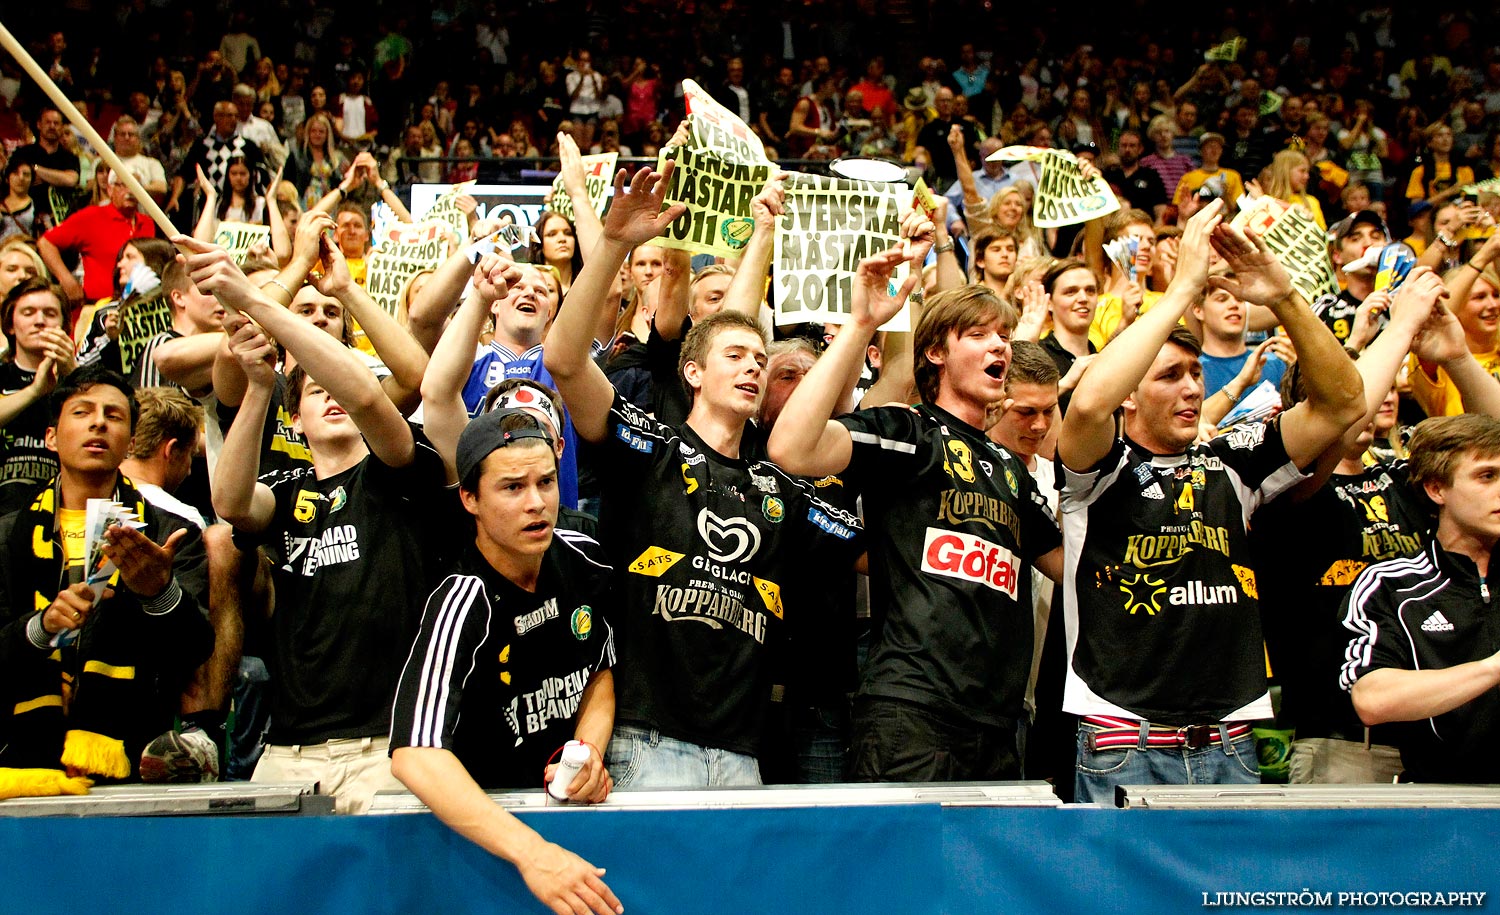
69, 702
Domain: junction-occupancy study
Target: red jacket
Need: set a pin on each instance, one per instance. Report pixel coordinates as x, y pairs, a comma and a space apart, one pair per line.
97, 233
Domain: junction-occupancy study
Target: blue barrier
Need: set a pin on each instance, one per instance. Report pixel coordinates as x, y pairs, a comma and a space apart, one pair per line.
912, 860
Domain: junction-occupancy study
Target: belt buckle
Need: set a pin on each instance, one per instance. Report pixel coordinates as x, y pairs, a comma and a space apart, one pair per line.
1195, 736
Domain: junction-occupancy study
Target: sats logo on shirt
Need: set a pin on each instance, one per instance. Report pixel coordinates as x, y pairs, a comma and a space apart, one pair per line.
970, 558
729, 539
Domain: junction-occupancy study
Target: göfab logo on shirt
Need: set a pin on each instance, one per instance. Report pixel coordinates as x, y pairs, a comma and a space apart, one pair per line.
969, 558
729, 539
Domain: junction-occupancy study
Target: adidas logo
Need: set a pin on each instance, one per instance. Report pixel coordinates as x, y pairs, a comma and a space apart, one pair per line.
1437, 623
1153, 492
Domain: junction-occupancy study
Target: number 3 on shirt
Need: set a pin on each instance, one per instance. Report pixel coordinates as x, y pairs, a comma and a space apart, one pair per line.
306, 506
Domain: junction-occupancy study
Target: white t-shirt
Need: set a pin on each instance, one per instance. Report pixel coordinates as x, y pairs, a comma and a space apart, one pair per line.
147, 170
354, 115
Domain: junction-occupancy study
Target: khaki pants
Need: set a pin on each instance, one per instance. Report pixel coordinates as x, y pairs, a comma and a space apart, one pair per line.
1329, 761
351, 770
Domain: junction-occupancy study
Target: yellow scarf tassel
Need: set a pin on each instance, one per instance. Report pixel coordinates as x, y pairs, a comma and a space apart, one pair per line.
85, 751
40, 783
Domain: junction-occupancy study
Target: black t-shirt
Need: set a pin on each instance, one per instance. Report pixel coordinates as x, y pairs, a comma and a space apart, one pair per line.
497, 673
60, 160
1161, 615
954, 520
25, 459
1430, 611
1063, 359
1337, 312
1307, 555
1143, 187
702, 545
352, 559
282, 447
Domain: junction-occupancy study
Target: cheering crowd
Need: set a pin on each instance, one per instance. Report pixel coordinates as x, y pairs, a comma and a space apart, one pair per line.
1122, 497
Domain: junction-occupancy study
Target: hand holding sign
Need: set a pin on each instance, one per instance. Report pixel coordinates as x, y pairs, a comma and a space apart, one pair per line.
636, 216
875, 299
920, 234
494, 275
767, 206
335, 279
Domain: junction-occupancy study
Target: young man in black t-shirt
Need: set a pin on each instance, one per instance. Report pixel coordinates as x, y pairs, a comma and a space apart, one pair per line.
1161, 612
39, 353
702, 532
350, 552
956, 524
512, 661
1424, 647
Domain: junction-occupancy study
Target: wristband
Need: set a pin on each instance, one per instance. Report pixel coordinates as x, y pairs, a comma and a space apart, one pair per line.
943, 249
384, 186
340, 190
273, 281
1445, 241
1477, 268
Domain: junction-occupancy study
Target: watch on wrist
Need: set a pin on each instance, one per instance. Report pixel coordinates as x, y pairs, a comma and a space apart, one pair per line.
1445, 240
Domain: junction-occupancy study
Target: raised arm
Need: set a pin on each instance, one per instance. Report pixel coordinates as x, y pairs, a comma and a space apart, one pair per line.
237, 497
806, 440
950, 274
672, 294
1441, 343
443, 413
208, 220
189, 361
972, 197
333, 365
587, 226
635, 217
1088, 429
429, 310
281, 239
1335, 395
400, 352
747, 290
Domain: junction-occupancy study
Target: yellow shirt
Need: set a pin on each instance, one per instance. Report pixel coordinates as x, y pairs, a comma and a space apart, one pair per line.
1311, 205
70, 523
1107, 315
1438, 396
1234, 188
356, 334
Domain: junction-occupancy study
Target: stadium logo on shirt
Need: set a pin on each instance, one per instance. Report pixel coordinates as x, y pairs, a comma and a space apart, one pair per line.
582, 622
764, 483
970, 558
729, 539
529, 621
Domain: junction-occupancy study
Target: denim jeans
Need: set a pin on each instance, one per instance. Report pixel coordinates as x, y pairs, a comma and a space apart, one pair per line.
252, 719
641, 758
1099, 771
821, 734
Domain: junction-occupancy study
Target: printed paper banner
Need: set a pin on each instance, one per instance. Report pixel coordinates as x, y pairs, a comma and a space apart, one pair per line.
1297, 241
717, 129
1487, 186
922, 198
598, 174
139, 322
1228, 52
446, 210
827, 227
1064, 197
405, 252
717, 192
239, 237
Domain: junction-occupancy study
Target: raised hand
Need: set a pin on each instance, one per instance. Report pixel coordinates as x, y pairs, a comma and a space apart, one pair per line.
872, 303
253, 349
767, 206
214, 272
1193, 250
1259, 277
920, 234
494, 275
636, 215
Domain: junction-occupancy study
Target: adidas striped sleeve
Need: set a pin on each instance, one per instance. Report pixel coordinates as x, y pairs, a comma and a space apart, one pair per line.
455, 623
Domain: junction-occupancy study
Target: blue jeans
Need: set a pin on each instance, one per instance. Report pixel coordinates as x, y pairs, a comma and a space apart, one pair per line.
641, 758
821, 734
1099, 771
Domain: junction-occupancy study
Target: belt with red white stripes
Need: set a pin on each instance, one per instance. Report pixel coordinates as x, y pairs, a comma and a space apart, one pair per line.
1106, 732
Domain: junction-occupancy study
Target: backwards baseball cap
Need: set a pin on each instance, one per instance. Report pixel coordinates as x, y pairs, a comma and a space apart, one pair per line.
484, 436
1339, 230
1210, 136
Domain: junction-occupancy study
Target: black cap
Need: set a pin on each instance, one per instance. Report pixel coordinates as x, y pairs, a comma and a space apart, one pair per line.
483, 436
1343, 227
